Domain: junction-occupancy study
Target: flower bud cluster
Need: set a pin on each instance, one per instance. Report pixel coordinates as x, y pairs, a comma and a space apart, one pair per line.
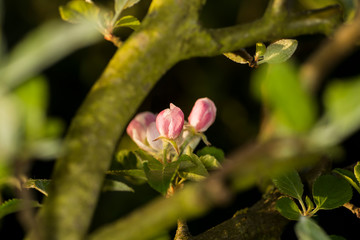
149, 131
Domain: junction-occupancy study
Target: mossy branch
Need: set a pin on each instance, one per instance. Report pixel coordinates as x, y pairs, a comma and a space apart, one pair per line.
169, 33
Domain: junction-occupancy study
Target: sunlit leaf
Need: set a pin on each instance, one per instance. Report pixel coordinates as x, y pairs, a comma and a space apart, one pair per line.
288, 208
213, 151
357, 172
309, 204
349, 176
289, 183
279, 51
210, 162
196, 173
15, 205
330, 192
128, 21
307, 229
39, 184
260, 50
77, 11
113, 185
236, 58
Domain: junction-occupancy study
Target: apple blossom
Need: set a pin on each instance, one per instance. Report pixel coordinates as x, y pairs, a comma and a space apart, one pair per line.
170, 122
202, 114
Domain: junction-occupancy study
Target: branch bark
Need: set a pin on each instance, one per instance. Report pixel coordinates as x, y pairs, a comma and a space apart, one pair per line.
169, 33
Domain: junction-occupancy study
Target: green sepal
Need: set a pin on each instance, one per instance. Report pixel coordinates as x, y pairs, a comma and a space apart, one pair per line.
15, 205
128, 21
113, 185
348, 176
288, 208
39, 184
330, 192
289, 183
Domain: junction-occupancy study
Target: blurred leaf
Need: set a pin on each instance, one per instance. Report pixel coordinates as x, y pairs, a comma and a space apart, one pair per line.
112, 185
43, 47
34, 98
54, 127
130, 3
128, 21
357, 171
349, 176
39, 184
307, 229
289, 183
210, 162
136, 173
288, 208
123, 4
77, 11
15, 205
330, 192
309, 204
279, 51
236, 58
282, 91
213, 151
10, 122
45, 149
160, 175
5, 172
196, 173
335, 237
342, 113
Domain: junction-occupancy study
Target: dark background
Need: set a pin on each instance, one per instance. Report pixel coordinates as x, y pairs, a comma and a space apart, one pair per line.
225, 82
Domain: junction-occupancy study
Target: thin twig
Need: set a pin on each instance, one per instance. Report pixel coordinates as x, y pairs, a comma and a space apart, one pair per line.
355, 210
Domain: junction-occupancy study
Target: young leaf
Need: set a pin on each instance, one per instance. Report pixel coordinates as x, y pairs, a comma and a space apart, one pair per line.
185, 162
112, 185
309, 204
39, 184
213, 151
128, 21
196, 173
160, 175
15, 205
279, 51
138, 174
349, 176
330, 192
288, 208
128, 160
307, 229
210, 162
357, 172
77, 10
236, 58
290, 184
260, 50
123, 4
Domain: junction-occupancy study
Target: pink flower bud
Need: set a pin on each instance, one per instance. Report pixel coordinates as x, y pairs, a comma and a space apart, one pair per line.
202, 115
151, 134
170, 122
137, 128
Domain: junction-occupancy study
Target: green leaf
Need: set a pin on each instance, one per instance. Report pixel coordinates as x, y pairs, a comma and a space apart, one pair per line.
15, 205
128, 21
123, 4
137, 175
335, 237
342, 112
236, 58
288, 208
78, 10
160, 175
113, 185
349, 176
210, 162
213, 151
260, 50
290, 184
309, 204
307, 229
43, 47
330, 192
292, 107
39, 184
196, 173
357, 172
279, 51
128, 160
185, 162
